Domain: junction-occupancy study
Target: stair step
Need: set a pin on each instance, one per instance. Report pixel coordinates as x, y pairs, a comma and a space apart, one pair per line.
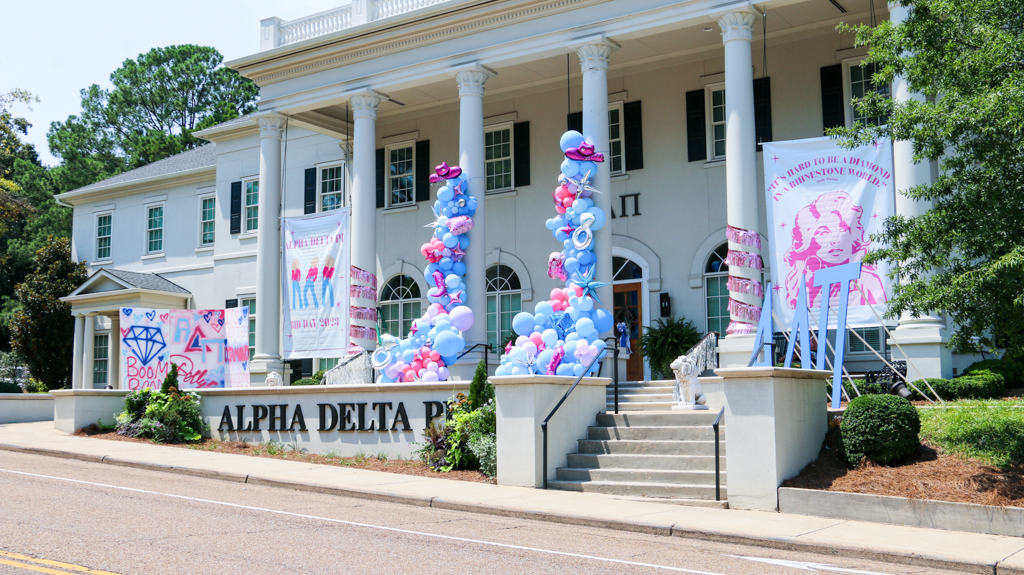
639, 489
666, 418
653, 462
680, 433
635, 388
663, 476
638, 447
635, 406
661, 397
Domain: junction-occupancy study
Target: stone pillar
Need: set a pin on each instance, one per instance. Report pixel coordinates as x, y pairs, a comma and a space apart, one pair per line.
594, 54
89, 352
268, 250
470, 80
77, 352
364, 190
924, 338
114, 353
740, 184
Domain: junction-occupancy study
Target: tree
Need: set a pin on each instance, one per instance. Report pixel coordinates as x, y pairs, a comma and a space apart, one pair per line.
965, 256
42, 330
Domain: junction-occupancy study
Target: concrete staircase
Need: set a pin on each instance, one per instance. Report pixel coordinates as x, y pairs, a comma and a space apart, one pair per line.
642, 395
668, 456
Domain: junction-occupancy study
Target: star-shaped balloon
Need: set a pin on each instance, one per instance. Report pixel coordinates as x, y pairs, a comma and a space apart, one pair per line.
456, 296
582, 185
437, 218
590, 286
457, 253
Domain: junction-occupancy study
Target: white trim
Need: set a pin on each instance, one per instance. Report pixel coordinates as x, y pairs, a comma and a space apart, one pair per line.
497, 256
400, 138
510, 126
153, 256
848, 89
709, 122
617, 105
651, 259
401, 209
199, 240
246, 291
319, 183
154, 199
235, 255
400, 267
501, 119
246, 232
96, 237
645, 292
104, 208
387, 173
162, 204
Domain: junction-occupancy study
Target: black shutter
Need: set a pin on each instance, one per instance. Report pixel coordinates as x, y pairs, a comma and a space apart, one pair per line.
307, 368
633, 130
762, 111
310, 191
833, 109
422, 171
575, 121
236, 207
230, 303
696, 127
521, 154
380, 178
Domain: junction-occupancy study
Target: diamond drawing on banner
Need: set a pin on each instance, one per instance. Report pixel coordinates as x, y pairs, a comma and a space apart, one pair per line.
146, 342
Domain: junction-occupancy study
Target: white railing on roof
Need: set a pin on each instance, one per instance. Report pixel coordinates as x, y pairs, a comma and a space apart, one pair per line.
276, 32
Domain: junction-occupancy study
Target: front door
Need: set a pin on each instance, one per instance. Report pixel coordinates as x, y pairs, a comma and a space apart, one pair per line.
628, 309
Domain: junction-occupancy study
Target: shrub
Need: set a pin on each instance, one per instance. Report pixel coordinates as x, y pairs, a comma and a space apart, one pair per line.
981, 384
883, 428
171, 380
485, 448
465, 440
8, 387
480, 390
304, 381
1012, 373
164, 417
318, 377
35, 386
940, 385
664, 341
992, 431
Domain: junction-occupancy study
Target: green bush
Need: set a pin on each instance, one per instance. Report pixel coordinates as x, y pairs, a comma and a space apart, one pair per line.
992, 431
664, 341
35, 386
465, 440
305, 381
883, 428
8, 387
1012, 373
981, 384
165, 417
480, 391
171, 380
485, 448
940, 385
318, 377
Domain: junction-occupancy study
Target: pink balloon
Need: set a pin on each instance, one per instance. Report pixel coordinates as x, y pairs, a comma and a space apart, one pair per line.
556, 294
536, 339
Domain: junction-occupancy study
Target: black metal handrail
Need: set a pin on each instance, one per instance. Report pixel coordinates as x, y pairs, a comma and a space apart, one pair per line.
544, 424
718, 469
487, 349
615, 370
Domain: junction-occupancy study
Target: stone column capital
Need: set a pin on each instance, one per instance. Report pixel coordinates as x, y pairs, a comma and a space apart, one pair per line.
271, 125
471, 78
595, 51
737, 25
365, 102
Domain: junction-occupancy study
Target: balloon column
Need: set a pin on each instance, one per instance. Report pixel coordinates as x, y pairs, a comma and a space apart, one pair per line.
436, 338
562, 335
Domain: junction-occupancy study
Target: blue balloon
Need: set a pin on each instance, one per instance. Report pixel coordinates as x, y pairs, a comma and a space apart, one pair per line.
564, 368
570, 139
551, 223
585, 257
448, 343
599, 218
408, 356
449, 360
572, 265
543, 360
445, 194
452, 281
445, 264
561, 236
450, 241
603, 321
578, 369
570, 168
523, 323
544, 307
585, 327
459, 268
464, 241
588, 167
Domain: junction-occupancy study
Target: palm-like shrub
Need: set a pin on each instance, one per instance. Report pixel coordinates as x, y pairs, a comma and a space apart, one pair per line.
665, 340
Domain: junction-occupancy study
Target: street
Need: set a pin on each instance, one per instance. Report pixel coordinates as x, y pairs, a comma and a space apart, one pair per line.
68, 516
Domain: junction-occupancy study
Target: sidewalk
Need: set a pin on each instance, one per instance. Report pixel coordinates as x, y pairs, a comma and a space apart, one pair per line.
908, 545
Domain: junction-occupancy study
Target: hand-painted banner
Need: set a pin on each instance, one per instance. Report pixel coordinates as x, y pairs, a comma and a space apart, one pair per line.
824, 202
316, 285
209, 346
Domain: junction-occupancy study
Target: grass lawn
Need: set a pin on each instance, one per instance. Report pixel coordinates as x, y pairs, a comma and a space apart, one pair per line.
991, 431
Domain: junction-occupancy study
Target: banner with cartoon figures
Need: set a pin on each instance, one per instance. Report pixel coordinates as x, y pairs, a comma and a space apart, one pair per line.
315, 291
824, 203
209, 346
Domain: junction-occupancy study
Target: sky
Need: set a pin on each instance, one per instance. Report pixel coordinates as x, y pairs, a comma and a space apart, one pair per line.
55, 48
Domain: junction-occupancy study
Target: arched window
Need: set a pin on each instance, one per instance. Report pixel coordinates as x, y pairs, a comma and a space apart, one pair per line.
716, 291
504, 301
399, 305
626, 270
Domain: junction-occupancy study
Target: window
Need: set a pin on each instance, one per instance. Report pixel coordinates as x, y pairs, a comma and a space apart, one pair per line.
100, 368
401, 179
207, 220
251, 304
872, 335
859, 83
399, 305
716, 122
155, 230
716, 290
103, 237
252, 206
328, 363
332, 188
626, 270
615, 138
498, 158
504, 301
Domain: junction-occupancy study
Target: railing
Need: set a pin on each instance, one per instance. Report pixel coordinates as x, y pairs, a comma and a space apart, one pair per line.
388, 8
705, 352
316, 25
277, 33
615, 369
487, 350
544, 424
718, 468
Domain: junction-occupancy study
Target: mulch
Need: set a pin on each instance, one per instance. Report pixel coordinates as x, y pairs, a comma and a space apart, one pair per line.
930, 474
372, 463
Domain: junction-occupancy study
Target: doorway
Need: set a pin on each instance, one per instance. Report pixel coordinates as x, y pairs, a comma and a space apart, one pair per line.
629, 310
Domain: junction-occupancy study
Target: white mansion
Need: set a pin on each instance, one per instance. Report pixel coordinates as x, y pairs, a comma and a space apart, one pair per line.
359, 103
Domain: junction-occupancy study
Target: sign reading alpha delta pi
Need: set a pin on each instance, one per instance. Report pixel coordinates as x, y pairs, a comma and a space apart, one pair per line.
316, 293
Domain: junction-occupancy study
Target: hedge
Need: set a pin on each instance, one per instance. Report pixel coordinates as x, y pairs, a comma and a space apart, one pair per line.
883, 428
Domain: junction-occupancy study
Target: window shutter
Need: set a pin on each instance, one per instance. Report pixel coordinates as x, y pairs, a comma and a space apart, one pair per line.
380, 178
762, 111
521, 154
632, 129
575, 122
236, 207
228, 304
307, 367
423, 171
696, 127
833, 109
310, 189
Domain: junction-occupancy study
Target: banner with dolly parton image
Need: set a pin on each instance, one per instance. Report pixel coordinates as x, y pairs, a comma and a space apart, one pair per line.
315, 279
824, 203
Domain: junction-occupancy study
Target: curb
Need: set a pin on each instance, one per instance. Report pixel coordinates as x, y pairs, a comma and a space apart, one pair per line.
779, 543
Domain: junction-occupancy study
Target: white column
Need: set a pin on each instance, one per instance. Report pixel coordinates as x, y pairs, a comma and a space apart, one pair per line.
470, 80
594, 54
77, 352
924, 338
740, 170
268, 249
364, 189
88, 352
114, 353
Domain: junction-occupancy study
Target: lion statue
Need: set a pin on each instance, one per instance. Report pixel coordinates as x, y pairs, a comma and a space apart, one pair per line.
274, 379
687, 391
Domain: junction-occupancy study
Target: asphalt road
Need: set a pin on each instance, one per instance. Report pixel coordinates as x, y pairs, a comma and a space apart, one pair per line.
65, 516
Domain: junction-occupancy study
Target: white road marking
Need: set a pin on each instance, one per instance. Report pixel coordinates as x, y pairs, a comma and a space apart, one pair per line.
370, 526
806, 566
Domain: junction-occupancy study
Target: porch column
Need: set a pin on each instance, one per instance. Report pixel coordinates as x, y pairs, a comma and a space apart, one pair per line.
114, 353
268, 249
470, 80
89, 352
740, 181
364, 189
594, 54
924, 338
77, 352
